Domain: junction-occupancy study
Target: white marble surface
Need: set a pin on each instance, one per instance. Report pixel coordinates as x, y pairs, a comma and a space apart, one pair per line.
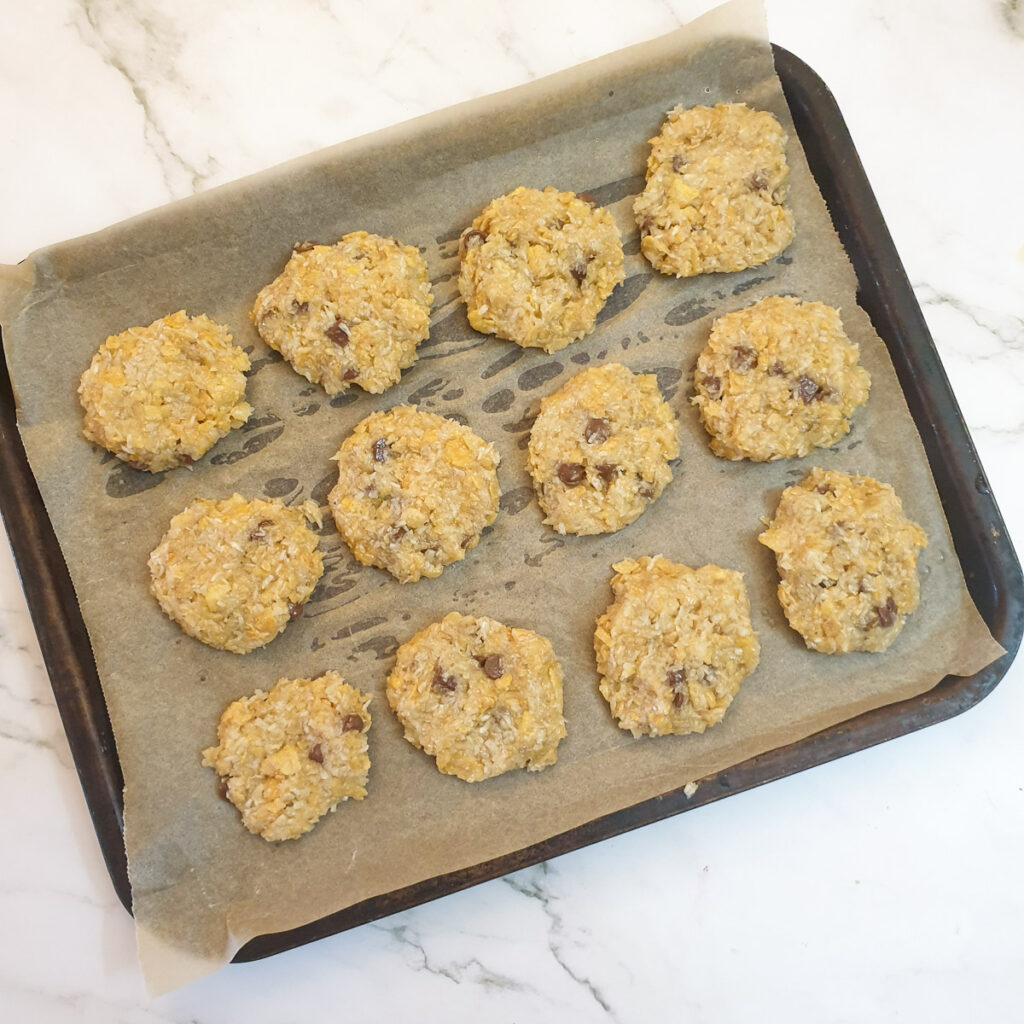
884, 887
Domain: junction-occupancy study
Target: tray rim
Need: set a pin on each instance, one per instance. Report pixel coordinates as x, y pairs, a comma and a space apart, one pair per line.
886, 295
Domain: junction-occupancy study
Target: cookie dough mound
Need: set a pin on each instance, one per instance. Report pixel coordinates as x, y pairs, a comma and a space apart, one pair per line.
716, 184
537, 267
162, 396
847, 561
778, 380
234, 573
600, 450
350, 313
479, 697
414, 491
289, 756
674, 645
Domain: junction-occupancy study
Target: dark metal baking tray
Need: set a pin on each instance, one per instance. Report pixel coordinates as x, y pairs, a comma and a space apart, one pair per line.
986, 554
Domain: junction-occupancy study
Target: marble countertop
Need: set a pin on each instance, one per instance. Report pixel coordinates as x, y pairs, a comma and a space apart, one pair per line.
885, 886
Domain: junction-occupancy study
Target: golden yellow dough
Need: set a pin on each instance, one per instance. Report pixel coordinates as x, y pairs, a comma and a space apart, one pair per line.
478, 696
161, 396
538, 266
288, 756
674, 645
847, 561
716, 190
233, 573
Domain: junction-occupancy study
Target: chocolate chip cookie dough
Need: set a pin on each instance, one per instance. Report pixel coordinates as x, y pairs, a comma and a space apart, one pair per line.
600, 450
234, 573
478, 696
778, 379
161, 396
538, 266
414, 491
289, 756
716, 185
847, 561
674, 645
349, 313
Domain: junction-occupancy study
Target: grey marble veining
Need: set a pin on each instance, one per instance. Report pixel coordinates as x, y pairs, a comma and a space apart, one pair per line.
881, 887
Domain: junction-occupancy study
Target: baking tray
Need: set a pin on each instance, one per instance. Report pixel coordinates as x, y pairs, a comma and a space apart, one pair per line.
990, 565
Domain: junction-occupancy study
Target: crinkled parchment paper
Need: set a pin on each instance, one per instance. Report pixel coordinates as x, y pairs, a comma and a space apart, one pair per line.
201, 884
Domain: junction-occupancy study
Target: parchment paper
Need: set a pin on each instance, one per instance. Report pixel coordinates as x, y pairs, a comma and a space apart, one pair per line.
201, 884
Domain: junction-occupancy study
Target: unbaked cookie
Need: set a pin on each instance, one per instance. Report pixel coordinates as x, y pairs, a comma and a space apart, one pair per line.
289, 756
538, 266
674, 645
349, 313
479, 697
161, 396
778, 379
414, 491
847, 561
716, 185
234, 573
600, 450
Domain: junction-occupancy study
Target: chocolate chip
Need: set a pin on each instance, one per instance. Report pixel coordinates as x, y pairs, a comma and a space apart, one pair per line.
465, 542
222, 790
380, 450
886, 613
259, 533
806, 389
712, 387
744, 358
470, 240
578, 271
825, 489
676, 679
758, 181
316, 752
350, 374
493, 666
294, 610
442, 681
646, 491
304, 246
338, 333
299, 307
678, 162
587, 198
597, 430
776, 369
572, 474
352, 723
135, 464
607, 471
